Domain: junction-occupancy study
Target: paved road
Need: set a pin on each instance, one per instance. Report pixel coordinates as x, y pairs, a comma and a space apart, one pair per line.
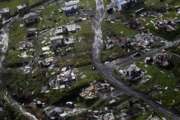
3, 51
122, 62
17, 106
6, 96
5, 29
108, 72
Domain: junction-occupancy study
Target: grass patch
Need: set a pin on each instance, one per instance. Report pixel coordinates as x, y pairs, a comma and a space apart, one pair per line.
116, 28
162, 78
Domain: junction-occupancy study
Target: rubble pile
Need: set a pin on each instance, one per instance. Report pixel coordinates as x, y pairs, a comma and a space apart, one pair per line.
167, 25
102, 114
58, 113
89, 92
64, 79
26, 49
96, 88
162, 59
132, 73
71, 7
145, 40
3, 38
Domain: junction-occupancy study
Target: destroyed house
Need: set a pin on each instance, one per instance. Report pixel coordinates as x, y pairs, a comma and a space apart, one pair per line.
61, 30
121, 4
71, 7
5, 13
31, 32
66, 29
133, 73
31, 18
22, 9
162, 59
57, 41
1, 21
1, 42
72, 28
60, 41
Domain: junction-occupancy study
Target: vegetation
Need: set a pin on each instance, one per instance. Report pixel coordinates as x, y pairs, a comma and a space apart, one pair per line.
166, 80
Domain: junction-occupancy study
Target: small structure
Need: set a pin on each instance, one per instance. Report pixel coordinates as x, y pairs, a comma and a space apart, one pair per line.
66, 29
26, 69
2, 111
167, 25
109, 43
3, 38
178, 11
56, 42
145, 40
31, 18
61, 41
31, 32
120, 41
140, 11
71, 7
61, 30
70, 40
1, 21
1, 42
121, 4
89, 92
96, 88
45, 48
104, 114
70, 104
162, 59
25, 45
56, 38
72, 27
148, 60
53, 113
110, 10
22, 9
134, 24
47, 61
5, 13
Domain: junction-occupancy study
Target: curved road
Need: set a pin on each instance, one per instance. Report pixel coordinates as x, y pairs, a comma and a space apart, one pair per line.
5, 31
108, 72
122, 62
6, 96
